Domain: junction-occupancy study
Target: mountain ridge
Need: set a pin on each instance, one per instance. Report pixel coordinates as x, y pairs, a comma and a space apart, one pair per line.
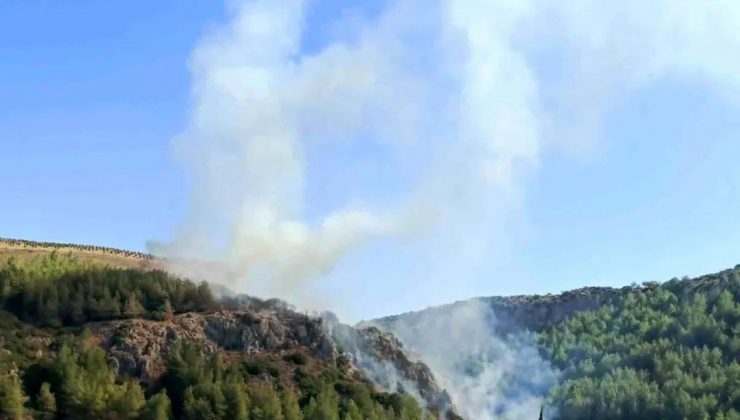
537, 312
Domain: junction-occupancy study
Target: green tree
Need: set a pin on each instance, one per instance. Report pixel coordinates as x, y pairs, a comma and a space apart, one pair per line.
132, 308
45, 399
128, 400
409, 409
265, 403
291, 409
157, 407
353, 412
325, 406
237, 407
196, 408
11, 397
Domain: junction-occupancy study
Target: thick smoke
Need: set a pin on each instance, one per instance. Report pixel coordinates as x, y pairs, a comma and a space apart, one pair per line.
487, 374
451, 101
449, 106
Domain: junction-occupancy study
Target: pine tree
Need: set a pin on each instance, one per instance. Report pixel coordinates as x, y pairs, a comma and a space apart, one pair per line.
132, 308
11, 398
128, 401
196, 408
49, 309
109, 307
204, 297
291, 409
311, 411
212, 393
364, 400
265, 403
236, 401
45, 400
328, 401
409, 409
325, 406
77, 308
353, 412
166, 310
158, 407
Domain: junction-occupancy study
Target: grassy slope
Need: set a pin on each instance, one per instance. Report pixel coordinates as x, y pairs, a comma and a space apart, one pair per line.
23, 250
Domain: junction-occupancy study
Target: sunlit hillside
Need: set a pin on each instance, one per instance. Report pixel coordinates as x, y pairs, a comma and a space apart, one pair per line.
24, 250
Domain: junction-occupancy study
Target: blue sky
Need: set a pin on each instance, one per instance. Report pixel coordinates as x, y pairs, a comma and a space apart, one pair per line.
93, 93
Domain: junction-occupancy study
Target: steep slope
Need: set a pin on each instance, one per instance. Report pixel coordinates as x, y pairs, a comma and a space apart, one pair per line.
668, 350
63, 316
274, 335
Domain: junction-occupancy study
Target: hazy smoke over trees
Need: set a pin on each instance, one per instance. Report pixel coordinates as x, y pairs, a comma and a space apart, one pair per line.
489, 375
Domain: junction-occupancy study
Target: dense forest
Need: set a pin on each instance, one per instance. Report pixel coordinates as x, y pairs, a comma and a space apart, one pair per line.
45, 304
55, 291
669, 351
78, 384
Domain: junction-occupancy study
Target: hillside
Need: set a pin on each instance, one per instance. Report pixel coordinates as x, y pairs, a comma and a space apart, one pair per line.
24, 250
149, 343
83, 340
669, 351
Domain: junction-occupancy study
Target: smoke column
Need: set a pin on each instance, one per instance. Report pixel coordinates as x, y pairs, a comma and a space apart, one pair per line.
432, 116
489, 375
448, 103
416, 83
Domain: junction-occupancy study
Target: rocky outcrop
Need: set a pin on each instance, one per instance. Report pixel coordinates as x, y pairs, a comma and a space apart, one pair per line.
538, 312
138, 347
532, 312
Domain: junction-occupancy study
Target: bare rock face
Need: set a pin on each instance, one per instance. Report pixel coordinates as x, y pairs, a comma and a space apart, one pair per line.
539, 312
531, 312
138, 348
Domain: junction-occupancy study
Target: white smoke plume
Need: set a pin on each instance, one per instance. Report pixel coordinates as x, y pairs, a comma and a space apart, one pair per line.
489, 375
460, 97
423, 90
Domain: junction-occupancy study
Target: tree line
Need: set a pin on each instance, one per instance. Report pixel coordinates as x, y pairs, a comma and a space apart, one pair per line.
61, 291
58, 245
